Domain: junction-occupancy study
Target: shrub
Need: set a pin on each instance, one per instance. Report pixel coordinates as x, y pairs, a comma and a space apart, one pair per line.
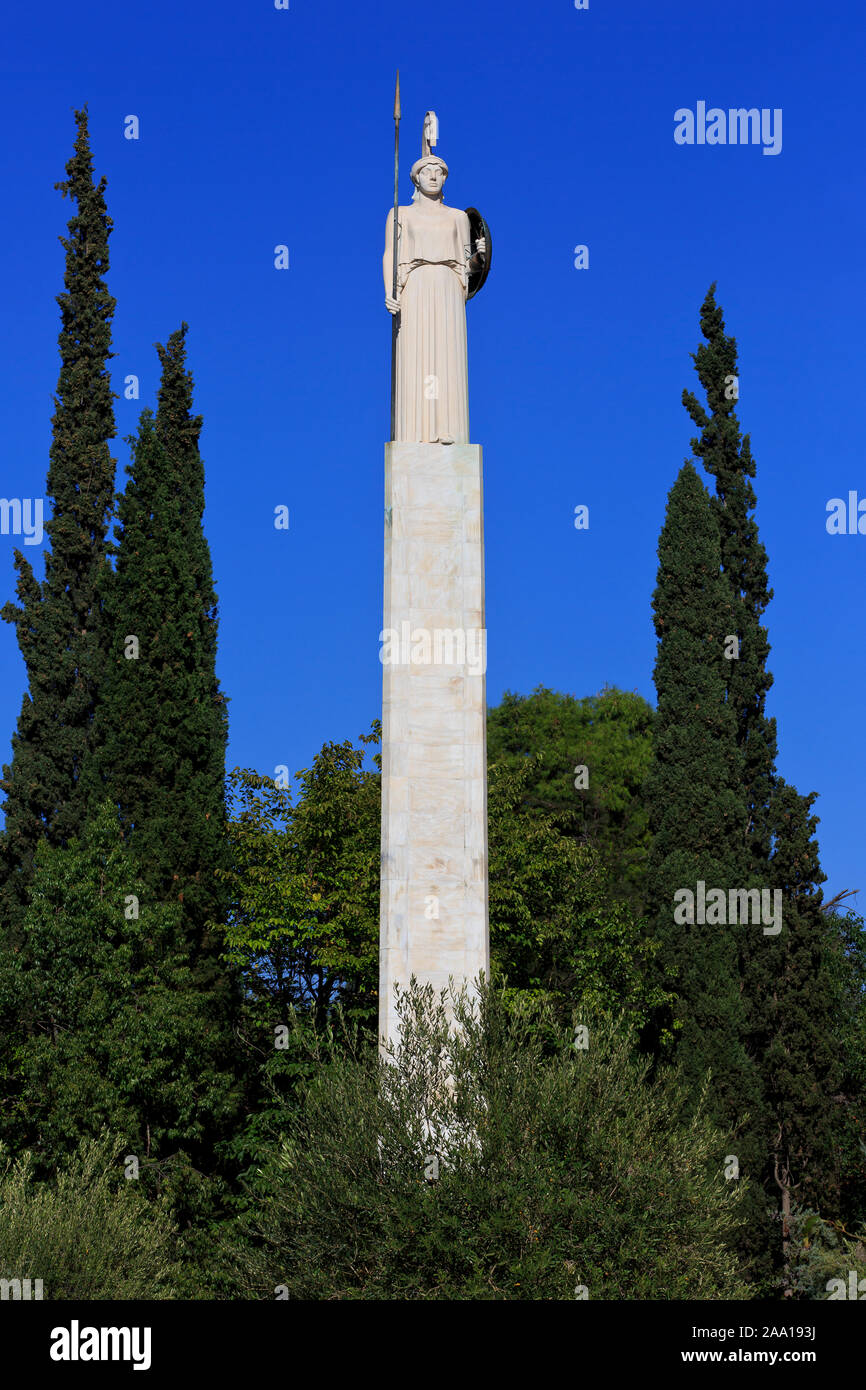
492, 1160
88, 1234
820, 1252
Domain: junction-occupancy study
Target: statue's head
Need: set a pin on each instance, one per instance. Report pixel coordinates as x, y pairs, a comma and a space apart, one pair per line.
428, 175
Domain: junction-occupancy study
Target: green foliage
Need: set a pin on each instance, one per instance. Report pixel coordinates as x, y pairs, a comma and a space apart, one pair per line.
160, 741
697, 814
162, 727
114, 1030
728, 458
266, 895
790, 983
793, 1017
610, 734
303, 922
58, 620
695, 799
87, 1233
555, 925
304, 884
557, 1168
845, 960
822, 1251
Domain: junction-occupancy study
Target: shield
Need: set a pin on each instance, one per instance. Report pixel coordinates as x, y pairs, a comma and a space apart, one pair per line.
479, 266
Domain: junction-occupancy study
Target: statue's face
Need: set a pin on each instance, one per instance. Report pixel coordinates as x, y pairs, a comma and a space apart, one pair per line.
431, 177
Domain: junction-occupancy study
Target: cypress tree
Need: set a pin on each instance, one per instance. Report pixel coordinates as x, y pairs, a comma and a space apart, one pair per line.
162, 727
727, 457
794, 1023
695, 799
697, 814
790, 991
59, 620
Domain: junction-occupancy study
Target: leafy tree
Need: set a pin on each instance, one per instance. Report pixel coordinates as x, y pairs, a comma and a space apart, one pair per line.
304, 884
303, 927
266, 895
481, 1162
556, 928
304, 920
59, 621
610, 734
116, 1032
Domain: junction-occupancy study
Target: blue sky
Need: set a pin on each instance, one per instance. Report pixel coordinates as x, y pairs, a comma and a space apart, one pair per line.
260, 127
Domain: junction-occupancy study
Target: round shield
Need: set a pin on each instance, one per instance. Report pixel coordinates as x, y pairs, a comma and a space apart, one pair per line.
479, 266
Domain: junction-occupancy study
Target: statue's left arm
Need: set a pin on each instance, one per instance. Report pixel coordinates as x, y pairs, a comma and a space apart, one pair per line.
465, 238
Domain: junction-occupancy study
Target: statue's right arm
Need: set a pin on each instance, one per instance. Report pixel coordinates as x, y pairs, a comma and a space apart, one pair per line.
388, 258
391, 304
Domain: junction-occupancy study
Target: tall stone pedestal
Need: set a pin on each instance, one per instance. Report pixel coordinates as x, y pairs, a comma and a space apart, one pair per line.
434, 911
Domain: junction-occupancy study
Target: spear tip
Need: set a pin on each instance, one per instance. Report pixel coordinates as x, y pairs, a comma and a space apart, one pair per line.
397, 98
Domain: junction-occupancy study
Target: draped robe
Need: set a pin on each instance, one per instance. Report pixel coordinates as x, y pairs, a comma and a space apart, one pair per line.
433, 250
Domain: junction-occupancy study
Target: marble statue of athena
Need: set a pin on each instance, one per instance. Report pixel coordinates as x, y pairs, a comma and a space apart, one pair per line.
434, 917
435, 257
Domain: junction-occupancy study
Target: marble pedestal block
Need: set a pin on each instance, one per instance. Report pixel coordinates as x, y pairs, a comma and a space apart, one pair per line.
434, 910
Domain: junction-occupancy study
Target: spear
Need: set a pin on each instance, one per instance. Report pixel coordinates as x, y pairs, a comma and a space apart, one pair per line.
394, 317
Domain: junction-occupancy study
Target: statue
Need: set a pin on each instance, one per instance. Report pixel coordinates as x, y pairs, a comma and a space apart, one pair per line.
434, 921
441, 259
